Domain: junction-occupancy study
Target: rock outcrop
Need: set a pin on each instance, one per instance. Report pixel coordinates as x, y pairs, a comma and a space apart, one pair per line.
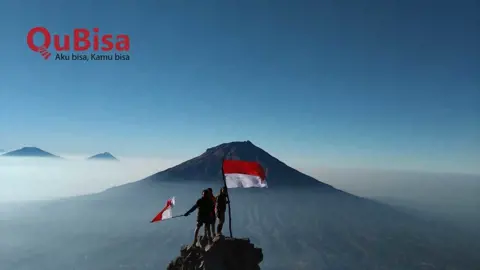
223, 254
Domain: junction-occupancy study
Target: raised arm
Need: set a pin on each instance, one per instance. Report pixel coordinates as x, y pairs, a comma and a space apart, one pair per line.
194, 207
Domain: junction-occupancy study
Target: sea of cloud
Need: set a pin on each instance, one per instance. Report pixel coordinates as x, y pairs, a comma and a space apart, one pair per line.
23, 179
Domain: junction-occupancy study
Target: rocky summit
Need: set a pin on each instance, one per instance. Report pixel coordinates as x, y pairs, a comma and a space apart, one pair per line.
224, 253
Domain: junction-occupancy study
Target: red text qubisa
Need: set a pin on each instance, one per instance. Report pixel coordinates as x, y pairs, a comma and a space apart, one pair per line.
83, 40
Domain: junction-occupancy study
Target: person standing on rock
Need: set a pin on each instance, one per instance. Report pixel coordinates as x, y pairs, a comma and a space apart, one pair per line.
221, 207
205, 208
213, 216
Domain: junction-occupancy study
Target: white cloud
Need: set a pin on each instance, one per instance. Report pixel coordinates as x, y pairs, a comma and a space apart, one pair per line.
34, 178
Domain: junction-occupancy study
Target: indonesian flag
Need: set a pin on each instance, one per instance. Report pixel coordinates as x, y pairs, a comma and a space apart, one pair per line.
166, 212
243, 174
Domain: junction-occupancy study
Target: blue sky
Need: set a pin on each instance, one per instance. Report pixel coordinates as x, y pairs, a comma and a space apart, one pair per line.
385, 84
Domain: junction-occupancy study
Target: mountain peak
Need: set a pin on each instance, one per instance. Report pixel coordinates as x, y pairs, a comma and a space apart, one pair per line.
29, 151
207, 166
103, 156
230, 150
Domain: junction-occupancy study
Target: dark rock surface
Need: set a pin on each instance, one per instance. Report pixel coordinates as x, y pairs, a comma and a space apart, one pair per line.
224, 253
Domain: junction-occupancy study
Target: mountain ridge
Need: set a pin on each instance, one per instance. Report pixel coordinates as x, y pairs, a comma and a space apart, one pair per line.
103, 156
30, 151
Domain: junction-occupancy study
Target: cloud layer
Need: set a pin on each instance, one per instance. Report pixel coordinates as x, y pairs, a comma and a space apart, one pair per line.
35, 179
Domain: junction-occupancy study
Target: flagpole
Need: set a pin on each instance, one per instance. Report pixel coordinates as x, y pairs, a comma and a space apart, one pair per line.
229, 201
177, 216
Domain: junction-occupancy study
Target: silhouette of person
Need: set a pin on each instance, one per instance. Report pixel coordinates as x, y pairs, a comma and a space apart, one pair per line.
212, 225
221, 207
205, 208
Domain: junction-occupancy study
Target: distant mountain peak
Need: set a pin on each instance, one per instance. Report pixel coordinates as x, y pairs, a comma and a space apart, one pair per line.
207, 166
29, 151
103, 156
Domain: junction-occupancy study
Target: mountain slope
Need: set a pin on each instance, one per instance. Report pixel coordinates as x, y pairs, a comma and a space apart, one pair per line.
30, 152
297, 228
103, 156
306, 229
207, 166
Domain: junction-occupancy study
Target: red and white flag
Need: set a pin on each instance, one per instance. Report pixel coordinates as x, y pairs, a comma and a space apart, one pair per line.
166, 212
243, 174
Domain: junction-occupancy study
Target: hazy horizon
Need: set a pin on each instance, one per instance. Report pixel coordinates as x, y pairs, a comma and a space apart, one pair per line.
75, 175
303, 164
45, 178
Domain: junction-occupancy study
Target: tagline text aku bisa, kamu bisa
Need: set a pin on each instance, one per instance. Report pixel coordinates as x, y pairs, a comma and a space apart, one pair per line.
83, 40
92, 56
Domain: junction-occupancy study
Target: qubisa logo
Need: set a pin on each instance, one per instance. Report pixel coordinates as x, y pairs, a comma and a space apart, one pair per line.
84, 45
